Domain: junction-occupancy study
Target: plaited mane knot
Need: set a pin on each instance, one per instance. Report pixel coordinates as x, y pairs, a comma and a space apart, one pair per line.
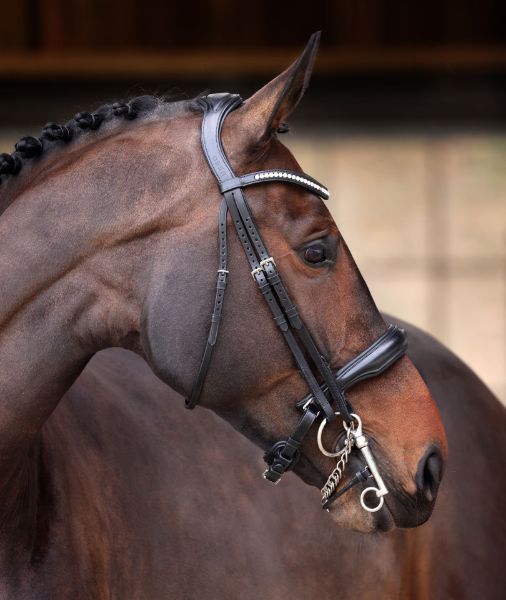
10, 164
54, 132
123, 110
83, 122
29, 146
86, 120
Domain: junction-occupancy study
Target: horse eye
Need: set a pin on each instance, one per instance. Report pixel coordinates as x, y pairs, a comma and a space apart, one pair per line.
315, 254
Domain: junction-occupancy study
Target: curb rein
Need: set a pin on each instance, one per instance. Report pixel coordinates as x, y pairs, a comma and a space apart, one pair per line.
328, 398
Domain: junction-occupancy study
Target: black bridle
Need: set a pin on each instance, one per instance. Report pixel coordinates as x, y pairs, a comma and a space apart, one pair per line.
329, 397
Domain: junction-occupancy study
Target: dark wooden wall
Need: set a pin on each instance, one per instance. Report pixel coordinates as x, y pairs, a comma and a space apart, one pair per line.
165, 25
381, 60
57, 36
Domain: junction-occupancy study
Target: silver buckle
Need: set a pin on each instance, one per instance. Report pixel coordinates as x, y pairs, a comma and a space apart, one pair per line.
255, 271
304, 408
261, 268
266, 261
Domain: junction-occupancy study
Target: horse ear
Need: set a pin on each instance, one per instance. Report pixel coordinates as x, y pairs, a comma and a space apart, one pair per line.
272, 104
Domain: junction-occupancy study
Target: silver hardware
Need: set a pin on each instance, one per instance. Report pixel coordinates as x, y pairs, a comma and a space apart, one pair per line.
319, 438
222, 271
362, 443
261, 268
305, 407
266, 261
364, 505
354, 436
335, 477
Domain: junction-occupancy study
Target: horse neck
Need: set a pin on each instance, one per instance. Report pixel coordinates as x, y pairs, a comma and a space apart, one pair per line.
72, 280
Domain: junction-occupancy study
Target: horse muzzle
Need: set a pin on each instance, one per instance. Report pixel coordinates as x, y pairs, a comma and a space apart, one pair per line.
411, 509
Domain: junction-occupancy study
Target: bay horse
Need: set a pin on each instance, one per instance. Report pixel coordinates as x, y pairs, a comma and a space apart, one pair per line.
109, 489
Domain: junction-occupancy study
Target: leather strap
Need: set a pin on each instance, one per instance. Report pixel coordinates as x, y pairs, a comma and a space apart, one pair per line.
371, 362
250, 230
234, 200
284, 454
221, 286
216, 108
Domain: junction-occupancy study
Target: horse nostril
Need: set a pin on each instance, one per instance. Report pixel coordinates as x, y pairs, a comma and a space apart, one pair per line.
429, 473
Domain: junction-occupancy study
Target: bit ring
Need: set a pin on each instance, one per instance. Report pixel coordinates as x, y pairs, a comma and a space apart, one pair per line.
320, 432
364, 505
320, 443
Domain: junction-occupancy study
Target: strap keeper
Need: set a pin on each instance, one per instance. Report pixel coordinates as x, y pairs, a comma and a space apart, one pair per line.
291, 448
277, 462
230, 184
221, 282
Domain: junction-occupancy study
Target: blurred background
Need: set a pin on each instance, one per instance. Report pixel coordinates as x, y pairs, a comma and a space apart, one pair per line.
405, 121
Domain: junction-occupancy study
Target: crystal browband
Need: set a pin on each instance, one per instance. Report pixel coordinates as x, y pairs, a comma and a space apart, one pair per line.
302, 180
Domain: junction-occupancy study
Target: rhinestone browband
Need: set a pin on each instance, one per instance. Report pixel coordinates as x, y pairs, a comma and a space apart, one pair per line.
285, 176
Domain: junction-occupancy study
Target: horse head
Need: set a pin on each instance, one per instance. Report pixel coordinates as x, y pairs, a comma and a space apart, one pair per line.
126, 237
252, 380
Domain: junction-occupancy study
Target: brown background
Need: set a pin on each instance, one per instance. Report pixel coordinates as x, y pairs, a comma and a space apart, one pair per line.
365, 26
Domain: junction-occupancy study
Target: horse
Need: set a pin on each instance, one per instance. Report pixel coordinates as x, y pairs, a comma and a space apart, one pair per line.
230, 538
108, 227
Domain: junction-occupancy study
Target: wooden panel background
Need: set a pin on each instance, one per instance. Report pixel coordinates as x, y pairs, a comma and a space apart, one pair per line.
356, 34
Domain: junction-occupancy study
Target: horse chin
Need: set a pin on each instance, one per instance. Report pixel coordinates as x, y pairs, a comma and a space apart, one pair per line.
350, 515
347, 512
408, 512
400, 509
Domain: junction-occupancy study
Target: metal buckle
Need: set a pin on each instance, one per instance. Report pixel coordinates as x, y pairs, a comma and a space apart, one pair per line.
362, 443
255, 271
306, 404
266, 261
261, 268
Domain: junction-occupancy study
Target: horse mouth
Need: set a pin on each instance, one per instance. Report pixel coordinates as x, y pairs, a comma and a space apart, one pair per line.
397, 510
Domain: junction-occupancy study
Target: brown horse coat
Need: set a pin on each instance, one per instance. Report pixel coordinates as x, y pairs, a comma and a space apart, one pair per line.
138, 498
110, 490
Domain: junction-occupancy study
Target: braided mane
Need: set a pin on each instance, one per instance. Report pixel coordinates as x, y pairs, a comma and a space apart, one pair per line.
54, 134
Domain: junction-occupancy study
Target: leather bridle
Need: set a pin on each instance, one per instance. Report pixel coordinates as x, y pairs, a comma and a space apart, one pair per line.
329, 398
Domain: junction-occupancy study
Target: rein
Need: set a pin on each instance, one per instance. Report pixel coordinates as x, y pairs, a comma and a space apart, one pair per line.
327, 399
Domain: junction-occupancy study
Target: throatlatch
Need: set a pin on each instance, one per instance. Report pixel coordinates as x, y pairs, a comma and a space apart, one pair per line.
327, 399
